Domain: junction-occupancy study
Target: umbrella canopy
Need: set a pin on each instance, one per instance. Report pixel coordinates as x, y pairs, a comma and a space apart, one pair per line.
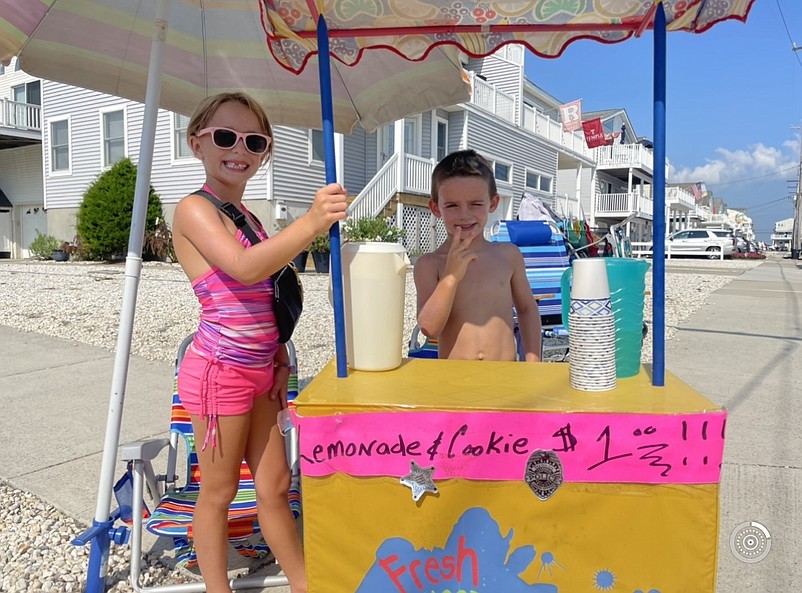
211, 47
414, 27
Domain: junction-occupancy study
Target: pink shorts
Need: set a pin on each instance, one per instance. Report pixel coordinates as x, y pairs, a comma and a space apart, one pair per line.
214, 388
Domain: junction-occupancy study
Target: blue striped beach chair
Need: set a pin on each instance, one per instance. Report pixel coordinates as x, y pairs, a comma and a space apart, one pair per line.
420, 346
545, 258
172, 516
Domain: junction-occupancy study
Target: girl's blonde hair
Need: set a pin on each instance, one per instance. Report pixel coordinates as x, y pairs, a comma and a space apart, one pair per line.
206, 109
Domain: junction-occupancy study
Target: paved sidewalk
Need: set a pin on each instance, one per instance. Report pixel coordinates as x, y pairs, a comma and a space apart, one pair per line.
740, 350
54, 395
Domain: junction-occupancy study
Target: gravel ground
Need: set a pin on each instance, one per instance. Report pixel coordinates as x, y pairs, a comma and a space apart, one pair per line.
82, 301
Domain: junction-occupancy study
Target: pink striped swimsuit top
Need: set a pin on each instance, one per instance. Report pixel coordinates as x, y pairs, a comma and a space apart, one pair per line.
237, 324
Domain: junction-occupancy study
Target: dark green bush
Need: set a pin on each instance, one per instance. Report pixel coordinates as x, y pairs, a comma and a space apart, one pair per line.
104, 217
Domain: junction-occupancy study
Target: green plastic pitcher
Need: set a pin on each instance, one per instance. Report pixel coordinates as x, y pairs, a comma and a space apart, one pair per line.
627, 279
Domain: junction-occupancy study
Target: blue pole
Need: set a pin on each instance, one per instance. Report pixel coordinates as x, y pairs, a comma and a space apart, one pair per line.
327, 112
659, 213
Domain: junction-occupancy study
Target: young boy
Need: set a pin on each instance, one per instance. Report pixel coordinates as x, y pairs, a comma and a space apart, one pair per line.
468, 286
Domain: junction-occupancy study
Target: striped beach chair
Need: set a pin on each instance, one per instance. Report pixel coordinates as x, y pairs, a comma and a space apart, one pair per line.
545, 258
420, 346
172, 516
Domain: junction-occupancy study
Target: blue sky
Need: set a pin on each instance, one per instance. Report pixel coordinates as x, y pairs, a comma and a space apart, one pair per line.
734, 95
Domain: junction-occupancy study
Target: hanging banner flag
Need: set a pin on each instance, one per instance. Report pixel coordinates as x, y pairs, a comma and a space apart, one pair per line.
594, 133
571, 115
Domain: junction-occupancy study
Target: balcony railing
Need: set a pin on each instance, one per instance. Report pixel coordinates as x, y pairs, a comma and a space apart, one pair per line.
20, 116
552, 130
489, 98
624, 156
676, 196
622, 205
486, 96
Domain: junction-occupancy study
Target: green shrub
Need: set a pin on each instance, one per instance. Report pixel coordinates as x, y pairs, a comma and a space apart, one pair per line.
320, 243
44, 245
372, 229
104, 217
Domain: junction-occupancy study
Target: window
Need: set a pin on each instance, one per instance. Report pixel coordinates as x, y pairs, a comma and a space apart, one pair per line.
538, 181
316, 152
60, 145
181, 148
442, 139
502, 171
30, 92
411, 128
2, 70
17, 66
113, 137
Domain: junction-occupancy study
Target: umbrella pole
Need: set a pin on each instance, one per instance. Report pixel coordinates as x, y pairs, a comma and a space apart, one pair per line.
327, 113
659, 211
102, 530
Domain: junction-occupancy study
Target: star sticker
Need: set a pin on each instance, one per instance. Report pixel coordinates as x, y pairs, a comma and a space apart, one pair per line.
419, 479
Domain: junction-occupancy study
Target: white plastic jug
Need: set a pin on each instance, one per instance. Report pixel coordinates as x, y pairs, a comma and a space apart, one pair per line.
374, 279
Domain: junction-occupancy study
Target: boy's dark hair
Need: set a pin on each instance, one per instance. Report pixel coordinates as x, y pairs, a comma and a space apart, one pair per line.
463, 163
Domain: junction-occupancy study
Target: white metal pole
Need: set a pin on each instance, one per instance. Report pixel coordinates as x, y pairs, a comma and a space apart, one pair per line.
100, 542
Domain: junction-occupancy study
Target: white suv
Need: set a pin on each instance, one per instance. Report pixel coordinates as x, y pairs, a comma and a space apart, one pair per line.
700, 242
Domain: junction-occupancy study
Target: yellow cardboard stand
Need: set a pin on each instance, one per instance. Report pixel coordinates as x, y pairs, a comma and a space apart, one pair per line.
649, 524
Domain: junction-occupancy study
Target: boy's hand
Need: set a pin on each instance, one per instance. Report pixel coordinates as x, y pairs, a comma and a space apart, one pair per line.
329, 206
459, 255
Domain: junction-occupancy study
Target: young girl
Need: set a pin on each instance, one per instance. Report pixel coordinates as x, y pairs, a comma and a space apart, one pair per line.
233, 379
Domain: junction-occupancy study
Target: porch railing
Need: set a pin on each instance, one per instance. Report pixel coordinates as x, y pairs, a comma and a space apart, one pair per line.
417, 174
624, 204
401, 173
20, 116
377, 193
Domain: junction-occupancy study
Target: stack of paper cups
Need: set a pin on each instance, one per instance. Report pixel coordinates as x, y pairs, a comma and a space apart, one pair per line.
591, 338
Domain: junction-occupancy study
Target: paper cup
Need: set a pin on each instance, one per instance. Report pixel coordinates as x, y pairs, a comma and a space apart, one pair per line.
590, 279
591, 347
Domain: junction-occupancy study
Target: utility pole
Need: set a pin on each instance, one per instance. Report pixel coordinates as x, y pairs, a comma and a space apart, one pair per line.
796, 234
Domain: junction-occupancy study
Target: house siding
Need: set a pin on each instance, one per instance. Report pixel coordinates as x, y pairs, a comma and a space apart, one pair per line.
356, 161
295, 177
456, 127
21, 179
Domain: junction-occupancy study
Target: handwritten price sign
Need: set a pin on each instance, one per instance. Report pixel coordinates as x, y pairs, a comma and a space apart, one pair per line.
644, 448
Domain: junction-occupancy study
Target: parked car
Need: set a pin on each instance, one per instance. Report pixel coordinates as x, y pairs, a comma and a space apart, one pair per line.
741, 245
702, 242
728, 234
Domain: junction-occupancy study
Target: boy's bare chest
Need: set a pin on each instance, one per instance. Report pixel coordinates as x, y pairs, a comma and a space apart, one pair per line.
487, 277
